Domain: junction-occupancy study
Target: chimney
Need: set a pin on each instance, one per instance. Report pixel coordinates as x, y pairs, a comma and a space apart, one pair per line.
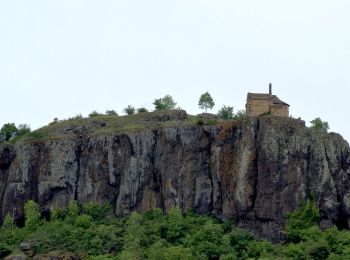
270, 88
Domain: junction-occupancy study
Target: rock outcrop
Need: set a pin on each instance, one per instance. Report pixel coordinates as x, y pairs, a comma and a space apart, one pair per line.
254, 171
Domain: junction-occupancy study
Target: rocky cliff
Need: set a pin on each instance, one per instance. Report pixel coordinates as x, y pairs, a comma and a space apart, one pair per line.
254, 170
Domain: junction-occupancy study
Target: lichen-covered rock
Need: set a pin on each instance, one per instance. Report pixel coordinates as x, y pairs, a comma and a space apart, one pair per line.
254, 171
27, 248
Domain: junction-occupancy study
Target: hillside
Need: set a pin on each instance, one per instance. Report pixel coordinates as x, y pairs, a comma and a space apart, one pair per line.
253, 170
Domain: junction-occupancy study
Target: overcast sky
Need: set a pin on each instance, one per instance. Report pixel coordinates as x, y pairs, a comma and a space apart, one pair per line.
62, 58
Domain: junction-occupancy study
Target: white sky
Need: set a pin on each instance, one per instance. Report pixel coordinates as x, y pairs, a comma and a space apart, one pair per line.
62, 58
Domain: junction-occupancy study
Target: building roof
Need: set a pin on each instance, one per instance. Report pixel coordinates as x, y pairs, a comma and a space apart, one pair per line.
276, 100
260, 96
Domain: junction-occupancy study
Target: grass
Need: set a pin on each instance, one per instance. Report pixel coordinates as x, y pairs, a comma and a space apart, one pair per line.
67, 129
103, 124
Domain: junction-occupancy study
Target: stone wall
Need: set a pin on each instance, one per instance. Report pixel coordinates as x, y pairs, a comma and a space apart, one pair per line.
257, 107
280, 110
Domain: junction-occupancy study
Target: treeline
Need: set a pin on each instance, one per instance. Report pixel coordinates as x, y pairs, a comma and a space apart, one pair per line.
168, 103
92, 232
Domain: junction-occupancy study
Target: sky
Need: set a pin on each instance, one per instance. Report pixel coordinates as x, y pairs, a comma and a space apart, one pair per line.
62, 58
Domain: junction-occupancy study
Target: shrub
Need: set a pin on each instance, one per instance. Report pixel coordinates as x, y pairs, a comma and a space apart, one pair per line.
142, 110
32, 215
133, 236
319, 125
257, 249
208, 241
240, 114
96, 211
129, 110
95, 114
240, 240
58, 214
300, 222
111, 113
165, 103
175, 225
23, 129
84, 221
153, 214
200, 122
72, 212
78, 116
177, 253
226, 112
4, 250
8, 221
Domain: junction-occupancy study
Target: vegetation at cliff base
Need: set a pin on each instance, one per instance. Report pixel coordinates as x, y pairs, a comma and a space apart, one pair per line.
90, 231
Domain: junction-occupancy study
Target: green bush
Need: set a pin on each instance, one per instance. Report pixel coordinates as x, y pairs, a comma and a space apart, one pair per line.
208, 241
226, 112
142, 110
302, 223
95, 114
111, 113
241, 114
84, 221
4, 250
94, 234
319, 125
32, 215
175, 225
58, 214
257, 249
239, 240
129, 110
96, 211
200, 122
165, 103
8, 222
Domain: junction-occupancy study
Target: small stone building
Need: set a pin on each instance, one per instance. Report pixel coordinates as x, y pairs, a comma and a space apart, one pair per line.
258, 104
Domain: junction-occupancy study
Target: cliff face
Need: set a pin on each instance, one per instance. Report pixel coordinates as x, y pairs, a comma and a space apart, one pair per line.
255, 171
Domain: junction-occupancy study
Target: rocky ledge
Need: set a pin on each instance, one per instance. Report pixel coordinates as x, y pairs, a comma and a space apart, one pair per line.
254, 171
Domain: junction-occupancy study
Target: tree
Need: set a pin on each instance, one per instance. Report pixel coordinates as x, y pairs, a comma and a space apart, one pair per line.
8, 131
95, 114
240, 114
165, 103
206, 101
133, 235
111, 113
72, 212
32, 215
129, 110
226, 112
303, 222
175, 224
319, 125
